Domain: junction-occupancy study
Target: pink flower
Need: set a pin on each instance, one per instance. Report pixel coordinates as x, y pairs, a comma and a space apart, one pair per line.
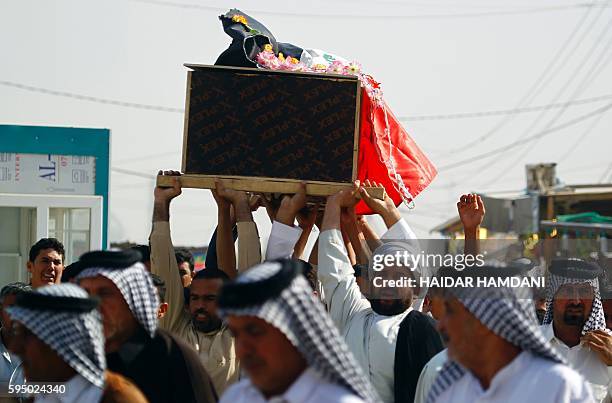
267, 59
352, 68
337, 67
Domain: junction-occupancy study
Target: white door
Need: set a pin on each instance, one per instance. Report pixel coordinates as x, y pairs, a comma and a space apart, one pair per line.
24, 219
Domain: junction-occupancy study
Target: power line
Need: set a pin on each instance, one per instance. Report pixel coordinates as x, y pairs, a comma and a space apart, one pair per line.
133, 173
160, 108
580, 139
518, 143
500, 112
147, 157
90, 98
535, 88
577, 91
554, 66
596, 69
201, 7
603, 177
522, 152
579, 168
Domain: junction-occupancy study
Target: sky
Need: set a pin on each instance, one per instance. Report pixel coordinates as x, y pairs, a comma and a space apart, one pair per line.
434, 58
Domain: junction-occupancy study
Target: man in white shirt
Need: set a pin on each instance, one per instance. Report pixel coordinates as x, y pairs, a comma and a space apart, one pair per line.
57, 332
286, 343
471, 210
575, 323
11, 370
428, 375
372, 324
496, 351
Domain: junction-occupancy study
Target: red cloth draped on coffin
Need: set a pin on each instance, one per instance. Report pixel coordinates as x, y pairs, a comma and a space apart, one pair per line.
415, 168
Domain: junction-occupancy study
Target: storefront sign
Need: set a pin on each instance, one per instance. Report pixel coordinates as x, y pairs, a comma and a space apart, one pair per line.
47, 174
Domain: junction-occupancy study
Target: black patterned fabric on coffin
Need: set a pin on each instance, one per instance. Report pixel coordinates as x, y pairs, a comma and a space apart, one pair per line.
271, 124
245, 45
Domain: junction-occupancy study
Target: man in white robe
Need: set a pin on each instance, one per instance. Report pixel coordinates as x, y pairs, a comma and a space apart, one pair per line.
288, 346
371, 324
496, 350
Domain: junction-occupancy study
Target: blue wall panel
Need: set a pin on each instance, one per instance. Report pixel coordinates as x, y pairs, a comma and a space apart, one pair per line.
65, 141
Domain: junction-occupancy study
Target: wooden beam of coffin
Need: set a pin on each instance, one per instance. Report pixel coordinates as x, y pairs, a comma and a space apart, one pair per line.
263, 185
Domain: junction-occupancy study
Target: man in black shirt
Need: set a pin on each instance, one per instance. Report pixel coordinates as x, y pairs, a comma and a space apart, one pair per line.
161, 365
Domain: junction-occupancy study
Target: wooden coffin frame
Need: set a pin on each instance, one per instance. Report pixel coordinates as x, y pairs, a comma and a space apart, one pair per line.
265, 184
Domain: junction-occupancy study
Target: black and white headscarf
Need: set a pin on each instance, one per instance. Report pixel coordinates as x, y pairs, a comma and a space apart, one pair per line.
507, 312
575, 271
278, 294
133, 281
67, 320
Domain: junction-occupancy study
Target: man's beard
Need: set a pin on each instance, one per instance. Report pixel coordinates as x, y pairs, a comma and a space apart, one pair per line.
574, 318
386, 308
207, 325
540, 313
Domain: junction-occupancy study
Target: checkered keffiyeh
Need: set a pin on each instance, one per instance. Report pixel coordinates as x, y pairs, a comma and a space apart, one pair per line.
137, 288
77, 337
507, 312
596, 320
302, 319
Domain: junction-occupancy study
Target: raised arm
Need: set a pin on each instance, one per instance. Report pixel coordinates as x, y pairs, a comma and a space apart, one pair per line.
357, 240
249, 251
398, 228
341, 292
211, 255
314, 253
163, 260
285, 234
306, 221
372, 240
224, 246
471, 212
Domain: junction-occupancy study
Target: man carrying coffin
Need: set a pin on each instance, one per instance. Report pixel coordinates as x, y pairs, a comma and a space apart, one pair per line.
390, 340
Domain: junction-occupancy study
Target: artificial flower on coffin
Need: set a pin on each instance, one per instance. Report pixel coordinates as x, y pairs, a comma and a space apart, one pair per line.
387, 153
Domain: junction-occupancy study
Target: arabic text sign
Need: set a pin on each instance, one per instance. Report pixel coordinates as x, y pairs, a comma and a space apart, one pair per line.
47, 174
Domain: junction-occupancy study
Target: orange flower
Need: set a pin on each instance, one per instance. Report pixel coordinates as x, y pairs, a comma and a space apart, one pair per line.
240, 18
267, 48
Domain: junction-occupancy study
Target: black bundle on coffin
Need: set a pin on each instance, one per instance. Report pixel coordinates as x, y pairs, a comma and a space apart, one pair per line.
248, 41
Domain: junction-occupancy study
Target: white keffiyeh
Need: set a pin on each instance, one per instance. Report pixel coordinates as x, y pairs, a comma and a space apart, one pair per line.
76, 336
301, 318
137, 288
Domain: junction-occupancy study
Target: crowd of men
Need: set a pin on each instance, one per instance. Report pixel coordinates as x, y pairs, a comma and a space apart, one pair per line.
297, 326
